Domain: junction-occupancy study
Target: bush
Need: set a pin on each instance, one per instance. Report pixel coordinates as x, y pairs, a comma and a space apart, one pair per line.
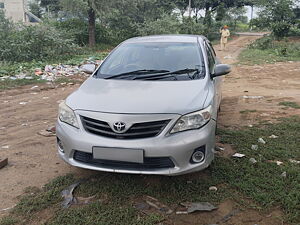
26, 43
262, 43
294, 31
280, 48
281, 29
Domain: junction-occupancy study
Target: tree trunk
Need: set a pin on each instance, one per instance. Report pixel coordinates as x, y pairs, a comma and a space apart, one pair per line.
92, 27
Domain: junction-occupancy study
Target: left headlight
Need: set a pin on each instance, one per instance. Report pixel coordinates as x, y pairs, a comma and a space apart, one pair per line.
67, 115
193, 120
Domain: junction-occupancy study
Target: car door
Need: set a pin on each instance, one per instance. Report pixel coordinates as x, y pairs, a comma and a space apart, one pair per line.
217, 81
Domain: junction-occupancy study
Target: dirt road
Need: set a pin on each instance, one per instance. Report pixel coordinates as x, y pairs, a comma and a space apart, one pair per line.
33, 160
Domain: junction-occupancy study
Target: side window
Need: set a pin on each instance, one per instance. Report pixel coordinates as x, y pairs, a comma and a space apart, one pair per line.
1, 5
212, 49
211, 59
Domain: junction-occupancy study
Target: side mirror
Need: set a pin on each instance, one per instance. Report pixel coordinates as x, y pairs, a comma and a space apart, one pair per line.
88, 68
221, 69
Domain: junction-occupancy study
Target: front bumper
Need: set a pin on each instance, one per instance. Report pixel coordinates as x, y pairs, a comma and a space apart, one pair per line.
178, 147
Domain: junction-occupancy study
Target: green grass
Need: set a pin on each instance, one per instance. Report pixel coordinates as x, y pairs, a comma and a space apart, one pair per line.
262, 181
37, 201
8, 220
247, 111
266, 50
8, 83
257, 56
290, 104
236, 179
98, 213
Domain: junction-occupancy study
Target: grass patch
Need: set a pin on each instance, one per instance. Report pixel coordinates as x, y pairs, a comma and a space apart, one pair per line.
290, 104
9, 221
236, 179
262, 181
266, 50
247, 111
37, 201
102, 214
8, 83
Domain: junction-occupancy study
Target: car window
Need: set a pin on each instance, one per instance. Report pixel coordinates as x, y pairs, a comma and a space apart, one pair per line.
211, 59
212, 49
152, 56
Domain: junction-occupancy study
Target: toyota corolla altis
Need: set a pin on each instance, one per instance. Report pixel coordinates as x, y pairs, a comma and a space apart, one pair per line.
150, 108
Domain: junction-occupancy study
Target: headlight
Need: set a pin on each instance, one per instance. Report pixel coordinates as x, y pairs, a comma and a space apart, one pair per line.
67, 115
193, 120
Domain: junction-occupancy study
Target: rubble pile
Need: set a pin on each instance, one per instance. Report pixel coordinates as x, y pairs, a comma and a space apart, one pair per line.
54, 72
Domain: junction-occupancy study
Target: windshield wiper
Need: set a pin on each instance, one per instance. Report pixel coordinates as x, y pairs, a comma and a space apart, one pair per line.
136, 72
168, 74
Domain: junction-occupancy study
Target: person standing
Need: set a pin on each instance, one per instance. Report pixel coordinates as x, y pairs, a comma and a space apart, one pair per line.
225, 33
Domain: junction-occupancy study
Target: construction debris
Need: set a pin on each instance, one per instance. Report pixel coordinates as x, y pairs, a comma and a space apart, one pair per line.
252, 97
262, 141
213, 188
254, 147
294, 161
252, 160
197, 206
238, 155
3, 162
278, 163
218, 148
283, 174
67, 194
88, 68
273, 136
153, 202
49, 132
230, 215
54, 72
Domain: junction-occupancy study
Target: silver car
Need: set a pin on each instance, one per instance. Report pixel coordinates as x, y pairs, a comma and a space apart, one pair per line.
150, 108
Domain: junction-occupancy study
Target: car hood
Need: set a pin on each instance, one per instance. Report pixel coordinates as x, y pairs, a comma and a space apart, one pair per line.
127, 96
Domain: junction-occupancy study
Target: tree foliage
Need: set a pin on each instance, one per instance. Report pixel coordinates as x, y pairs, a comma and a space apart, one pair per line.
25, 43
278, 16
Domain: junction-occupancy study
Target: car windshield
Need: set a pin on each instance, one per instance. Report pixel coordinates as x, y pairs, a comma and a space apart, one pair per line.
164, 61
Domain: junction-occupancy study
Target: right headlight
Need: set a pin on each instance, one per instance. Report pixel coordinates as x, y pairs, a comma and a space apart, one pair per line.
193, 120
67, 115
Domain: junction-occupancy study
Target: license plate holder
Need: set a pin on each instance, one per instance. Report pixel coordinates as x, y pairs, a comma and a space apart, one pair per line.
119, 154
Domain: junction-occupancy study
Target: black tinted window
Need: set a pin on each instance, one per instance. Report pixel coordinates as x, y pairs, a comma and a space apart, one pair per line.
211, 59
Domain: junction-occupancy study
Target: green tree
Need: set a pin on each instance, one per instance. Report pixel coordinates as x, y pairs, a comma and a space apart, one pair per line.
237, 14
50, 6
89, 9
277, 15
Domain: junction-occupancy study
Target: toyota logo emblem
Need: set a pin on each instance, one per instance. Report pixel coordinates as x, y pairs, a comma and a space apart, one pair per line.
119, 127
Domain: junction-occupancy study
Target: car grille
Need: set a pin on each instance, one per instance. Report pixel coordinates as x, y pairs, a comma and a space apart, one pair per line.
150, 163
137, 130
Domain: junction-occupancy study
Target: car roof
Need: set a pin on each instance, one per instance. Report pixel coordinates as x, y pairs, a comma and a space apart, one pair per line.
185, 38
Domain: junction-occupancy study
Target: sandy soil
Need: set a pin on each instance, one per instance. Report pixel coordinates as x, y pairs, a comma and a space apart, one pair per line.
33, 160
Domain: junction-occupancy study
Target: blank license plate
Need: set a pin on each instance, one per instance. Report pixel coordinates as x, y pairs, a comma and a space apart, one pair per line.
119, 154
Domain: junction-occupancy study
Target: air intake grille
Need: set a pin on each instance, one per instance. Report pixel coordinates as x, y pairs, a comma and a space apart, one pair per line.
150, 163
136, 131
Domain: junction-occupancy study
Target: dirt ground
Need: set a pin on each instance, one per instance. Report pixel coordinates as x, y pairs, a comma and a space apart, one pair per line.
33, 160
